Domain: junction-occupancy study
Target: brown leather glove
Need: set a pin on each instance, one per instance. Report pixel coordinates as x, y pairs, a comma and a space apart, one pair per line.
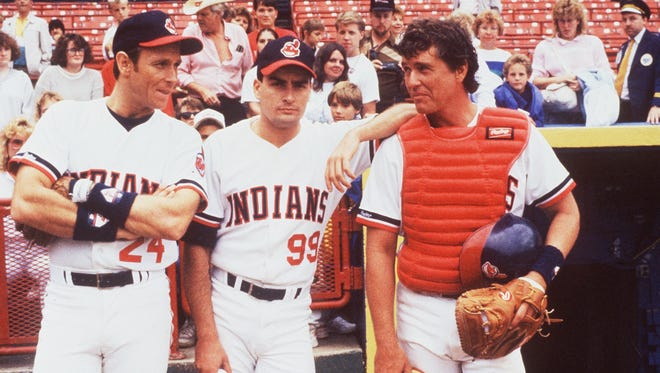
484, 315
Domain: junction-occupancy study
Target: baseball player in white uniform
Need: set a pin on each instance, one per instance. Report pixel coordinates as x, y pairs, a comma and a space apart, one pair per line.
137, 180
451, 169
268, 207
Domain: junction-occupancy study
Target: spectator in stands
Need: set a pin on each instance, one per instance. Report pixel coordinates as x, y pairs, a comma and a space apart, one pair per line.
34, 41
311, 33
345, 101
68, 76
216, 73
488, 81
475, 7
188, 108
265, 16
12, 137
208, 121
243, 18
488, 27
557, 60
47, 99
398, 24
2, 21
330, 67
517, 92
379, 45
350, 31
119, 9
248, 98
638, 79
15, 85
56, 29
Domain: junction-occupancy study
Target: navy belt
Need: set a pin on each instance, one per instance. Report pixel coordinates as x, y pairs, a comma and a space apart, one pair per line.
102, 280
259, 292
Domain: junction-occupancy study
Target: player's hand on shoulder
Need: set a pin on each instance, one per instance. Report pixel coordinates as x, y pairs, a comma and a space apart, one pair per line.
392, 359
338, 167
210, 356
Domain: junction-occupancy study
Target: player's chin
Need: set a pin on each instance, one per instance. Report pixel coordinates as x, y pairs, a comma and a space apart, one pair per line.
161, 96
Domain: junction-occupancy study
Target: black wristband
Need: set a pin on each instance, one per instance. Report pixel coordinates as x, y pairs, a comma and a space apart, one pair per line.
548, 263
93, 227
112, 203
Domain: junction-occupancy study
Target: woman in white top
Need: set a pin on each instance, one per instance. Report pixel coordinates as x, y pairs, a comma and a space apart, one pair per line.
331, 67
69, 77
488, 27
569, 52
15, 85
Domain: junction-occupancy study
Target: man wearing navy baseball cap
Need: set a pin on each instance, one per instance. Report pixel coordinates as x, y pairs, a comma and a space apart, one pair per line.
638, 78
252, 313
129, 179
379, 46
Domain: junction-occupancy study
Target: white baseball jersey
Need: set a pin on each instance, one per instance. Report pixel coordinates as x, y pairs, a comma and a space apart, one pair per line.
84, 139
536, 178
272, 201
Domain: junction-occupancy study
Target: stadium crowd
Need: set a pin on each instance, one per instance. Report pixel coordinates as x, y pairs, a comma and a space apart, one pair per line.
567, 80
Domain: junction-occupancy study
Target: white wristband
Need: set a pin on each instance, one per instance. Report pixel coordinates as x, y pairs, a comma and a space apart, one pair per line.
81, 190
533, 283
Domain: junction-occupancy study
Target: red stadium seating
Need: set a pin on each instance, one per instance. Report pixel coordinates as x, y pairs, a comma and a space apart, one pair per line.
523, 19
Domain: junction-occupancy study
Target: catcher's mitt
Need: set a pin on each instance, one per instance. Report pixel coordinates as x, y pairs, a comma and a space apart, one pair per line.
483, 317
39, 237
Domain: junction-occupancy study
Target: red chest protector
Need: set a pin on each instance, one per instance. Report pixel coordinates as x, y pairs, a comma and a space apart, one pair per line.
455, 180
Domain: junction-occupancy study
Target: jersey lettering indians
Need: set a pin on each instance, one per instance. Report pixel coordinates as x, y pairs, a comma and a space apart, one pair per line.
270, 204
477, 175
134, 161
289, 202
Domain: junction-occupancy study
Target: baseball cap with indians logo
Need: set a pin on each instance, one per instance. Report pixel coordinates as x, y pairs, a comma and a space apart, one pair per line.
285, 51
151, 29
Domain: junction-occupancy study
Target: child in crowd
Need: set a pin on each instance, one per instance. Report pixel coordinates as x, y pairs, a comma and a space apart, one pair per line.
119, 9
208, 121
517, 92
312, 33
345, 101
188, 108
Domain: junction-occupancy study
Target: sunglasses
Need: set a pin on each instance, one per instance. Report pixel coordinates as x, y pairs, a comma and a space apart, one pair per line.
16, 142
188, 114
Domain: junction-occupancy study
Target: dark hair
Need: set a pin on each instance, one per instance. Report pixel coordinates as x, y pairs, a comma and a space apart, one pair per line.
256, 3
243, 12
55, 23
6, 41
452, 42
191, 102
59, 54
322, 57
